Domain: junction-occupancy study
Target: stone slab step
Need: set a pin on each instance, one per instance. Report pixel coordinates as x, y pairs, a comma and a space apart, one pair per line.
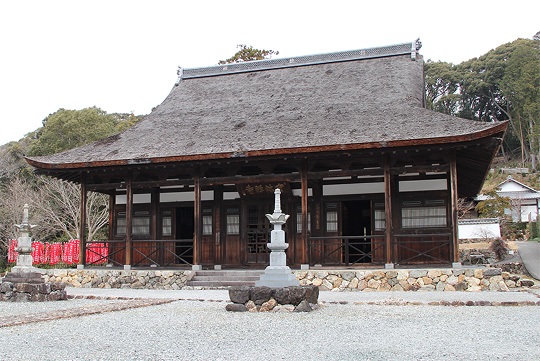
220, 283
213, 278
217, 278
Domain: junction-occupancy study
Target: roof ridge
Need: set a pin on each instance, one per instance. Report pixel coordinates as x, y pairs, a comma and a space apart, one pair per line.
295, 61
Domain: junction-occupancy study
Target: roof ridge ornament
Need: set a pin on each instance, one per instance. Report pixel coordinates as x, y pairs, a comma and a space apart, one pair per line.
180, 73
415, 47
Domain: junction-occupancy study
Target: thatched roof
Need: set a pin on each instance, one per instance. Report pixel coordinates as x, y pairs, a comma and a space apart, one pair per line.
344, 102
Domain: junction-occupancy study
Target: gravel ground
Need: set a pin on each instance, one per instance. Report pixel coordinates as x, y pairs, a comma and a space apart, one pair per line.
21, 308
192, 330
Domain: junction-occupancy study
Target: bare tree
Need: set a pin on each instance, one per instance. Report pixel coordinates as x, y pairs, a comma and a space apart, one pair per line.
60, 204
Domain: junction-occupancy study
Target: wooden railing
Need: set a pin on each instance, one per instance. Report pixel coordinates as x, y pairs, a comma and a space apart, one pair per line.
164, 252
115, 247
423, 248
346, 250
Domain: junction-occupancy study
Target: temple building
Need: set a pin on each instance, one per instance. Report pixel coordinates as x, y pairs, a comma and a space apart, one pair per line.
369, 176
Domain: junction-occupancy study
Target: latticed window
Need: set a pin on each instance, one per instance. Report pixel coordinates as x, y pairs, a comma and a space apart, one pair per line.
207, 222
331, 218
379, 220
299, 222
424, 214
233, 221
141, 223
166, 223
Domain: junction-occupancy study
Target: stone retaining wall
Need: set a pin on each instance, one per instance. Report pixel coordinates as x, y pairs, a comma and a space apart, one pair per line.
477, 279
89, 278
487, 279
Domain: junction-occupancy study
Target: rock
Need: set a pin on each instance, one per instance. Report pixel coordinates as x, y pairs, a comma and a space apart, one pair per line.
392, 282
362, 285
440, 286
348, 275
391, 274
292, 295
235, 307
452, 280
478, 273
397, 287
449, 288
427, 280
402, 275
427, 288
327, 285
526, 283
268, 306
312, 294
472, 281
417, 273
260, 294
384, 287
460, 286
474, 289
250, 305
303, 307
354, 283
239, 294
317, 282
374, 284
137, 285
284, 308
434, 273
6, 287
489, 272
510, 283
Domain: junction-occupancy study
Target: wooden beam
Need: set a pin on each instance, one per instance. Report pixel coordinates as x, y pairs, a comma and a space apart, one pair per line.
82, 222
304, 181
453, 207
129, 220
388, 210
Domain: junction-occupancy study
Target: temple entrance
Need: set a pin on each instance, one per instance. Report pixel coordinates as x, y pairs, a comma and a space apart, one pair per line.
258, 230
185, 227
356, 222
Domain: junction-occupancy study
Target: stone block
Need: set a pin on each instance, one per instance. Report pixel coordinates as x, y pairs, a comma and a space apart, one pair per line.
239, 294
434, 273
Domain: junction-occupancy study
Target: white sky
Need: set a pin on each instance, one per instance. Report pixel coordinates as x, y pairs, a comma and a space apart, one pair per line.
122, 56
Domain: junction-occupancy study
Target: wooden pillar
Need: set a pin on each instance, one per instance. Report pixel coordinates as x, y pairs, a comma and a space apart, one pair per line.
112, 202
154, 231
82, 222
197, 222
454, 207
389, 231
219, 257
129, 220
305, 232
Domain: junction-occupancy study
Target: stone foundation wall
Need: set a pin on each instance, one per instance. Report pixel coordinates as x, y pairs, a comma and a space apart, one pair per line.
164, 280
478, 279
488, 279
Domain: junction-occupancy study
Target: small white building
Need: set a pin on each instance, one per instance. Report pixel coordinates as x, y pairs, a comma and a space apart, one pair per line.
525, 201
